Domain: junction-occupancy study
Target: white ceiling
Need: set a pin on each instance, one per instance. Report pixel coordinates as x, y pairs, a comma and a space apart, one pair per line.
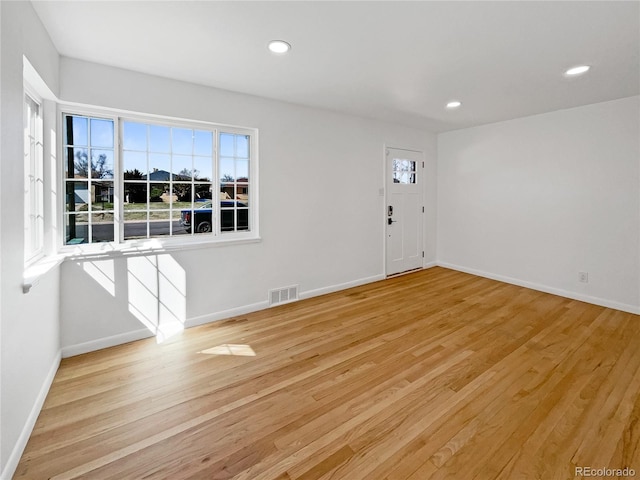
391, 60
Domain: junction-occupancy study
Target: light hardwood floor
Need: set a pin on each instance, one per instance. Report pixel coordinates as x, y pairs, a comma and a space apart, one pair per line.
431, 375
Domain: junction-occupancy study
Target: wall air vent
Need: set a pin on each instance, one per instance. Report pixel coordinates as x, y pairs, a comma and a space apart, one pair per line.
278, 296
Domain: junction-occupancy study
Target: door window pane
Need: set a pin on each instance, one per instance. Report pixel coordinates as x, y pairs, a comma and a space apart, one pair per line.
404, 171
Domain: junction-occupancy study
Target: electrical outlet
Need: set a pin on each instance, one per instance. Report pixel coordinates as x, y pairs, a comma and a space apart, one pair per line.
583, 277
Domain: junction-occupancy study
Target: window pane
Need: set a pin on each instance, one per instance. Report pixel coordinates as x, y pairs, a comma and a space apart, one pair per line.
135, 225
182, 141
242, 219
102, 227
134, 165
181, 220
76, 229
159, 166
159, 139
203, 218
227, 216
202, 192
159, 224
203, 143
135, 196
77, 196
102, 195
101, 133
226, 145
77, 166
227, 191
101, 163
203, 168
159, 195
182, 193
242, 146
182, 167
134, 136
242, 170
242, 194
227, 170
77, 131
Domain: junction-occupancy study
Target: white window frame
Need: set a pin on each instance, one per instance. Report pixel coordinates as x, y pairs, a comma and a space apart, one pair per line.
34, 234
165, 242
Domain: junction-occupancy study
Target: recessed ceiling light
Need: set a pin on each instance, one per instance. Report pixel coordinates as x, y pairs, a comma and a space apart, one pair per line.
279, 46
579, 70
454, 104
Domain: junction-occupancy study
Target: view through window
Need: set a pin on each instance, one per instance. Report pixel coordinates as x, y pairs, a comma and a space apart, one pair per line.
163, 186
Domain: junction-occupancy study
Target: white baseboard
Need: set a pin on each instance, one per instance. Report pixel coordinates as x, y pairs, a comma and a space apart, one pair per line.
254, 307
546, 289
430, 265
232, 312
341, 286
105, 342
18, 449
126, 337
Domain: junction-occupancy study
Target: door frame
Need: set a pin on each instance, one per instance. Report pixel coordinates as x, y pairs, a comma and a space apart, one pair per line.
383, 213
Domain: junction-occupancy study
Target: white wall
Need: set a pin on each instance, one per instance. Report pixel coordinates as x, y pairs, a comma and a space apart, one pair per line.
536, 200
321, 215
29, 324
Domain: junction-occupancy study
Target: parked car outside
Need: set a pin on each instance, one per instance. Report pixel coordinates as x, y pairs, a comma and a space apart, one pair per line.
203, 215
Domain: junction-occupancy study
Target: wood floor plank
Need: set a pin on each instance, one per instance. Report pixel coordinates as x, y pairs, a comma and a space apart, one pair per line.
431, 375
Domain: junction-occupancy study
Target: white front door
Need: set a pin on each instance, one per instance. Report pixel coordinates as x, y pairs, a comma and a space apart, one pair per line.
404, 210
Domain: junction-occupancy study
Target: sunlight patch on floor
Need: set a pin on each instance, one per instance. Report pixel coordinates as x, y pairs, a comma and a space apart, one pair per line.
230, 349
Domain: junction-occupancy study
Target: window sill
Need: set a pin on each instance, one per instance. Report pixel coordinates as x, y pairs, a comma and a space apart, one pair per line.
38, 269
35, 271
147, 246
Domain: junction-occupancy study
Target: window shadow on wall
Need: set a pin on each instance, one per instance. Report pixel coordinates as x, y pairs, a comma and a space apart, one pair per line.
153, 289
157, 294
